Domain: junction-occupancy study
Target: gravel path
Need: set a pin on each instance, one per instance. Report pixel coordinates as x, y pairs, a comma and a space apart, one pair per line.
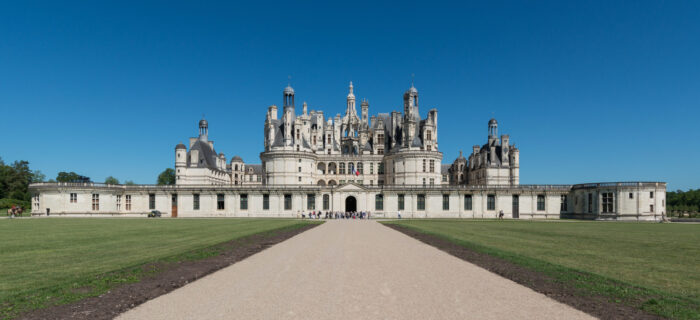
353, 270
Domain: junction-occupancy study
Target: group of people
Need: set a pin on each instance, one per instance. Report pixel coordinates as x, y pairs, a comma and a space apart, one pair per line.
15, 211
336, 215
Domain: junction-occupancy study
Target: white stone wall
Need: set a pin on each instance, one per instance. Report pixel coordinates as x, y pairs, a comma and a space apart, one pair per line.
57, 198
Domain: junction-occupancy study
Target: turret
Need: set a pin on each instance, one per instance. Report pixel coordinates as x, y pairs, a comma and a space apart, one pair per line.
203, 129
493, 131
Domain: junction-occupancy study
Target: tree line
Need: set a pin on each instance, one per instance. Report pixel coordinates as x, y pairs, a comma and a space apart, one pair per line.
16, 177
683, 201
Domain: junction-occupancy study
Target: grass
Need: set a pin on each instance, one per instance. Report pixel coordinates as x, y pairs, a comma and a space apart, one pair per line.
660, 263
51, 261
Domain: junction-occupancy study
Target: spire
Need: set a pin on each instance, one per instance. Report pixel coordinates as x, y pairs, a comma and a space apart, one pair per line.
351, 94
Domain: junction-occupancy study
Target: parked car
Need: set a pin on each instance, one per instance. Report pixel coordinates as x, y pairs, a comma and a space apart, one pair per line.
154, 214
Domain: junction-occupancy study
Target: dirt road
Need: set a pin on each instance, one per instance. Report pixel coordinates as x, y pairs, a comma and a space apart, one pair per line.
353, 270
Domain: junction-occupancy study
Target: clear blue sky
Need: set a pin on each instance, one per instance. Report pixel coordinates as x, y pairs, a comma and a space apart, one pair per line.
589, 90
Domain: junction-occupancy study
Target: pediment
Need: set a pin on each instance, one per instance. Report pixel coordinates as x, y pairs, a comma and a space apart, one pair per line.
351, 187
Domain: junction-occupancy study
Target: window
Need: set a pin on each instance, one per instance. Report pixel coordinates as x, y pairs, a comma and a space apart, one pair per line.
95, 202
151, 201
379, 202
540, 202
631, 195
445, 202
73, 197
467, 202
564, 205
491, 202
421, 202
341, 168
195, 201
119, 202
326, 202
311, 201
287, 202
651, 195
590, 203
401, 199
244, 202
432, 165
220, 201
266, 202
128, 202
607, 202
380, 168
423, 165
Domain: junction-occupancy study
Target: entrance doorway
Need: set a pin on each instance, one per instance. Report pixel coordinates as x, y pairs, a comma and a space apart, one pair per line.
174, 206
350, 204
516, 206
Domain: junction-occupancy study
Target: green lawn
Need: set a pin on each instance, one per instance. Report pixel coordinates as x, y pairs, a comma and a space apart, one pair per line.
662, 257
36, 254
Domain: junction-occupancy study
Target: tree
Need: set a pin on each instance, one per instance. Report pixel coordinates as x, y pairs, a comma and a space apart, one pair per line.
71, 177
38, 176
167, 177
111, 180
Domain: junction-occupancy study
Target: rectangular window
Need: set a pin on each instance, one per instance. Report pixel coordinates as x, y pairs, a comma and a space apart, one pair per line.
244, 202
266, 202
432, 165
590, 203
467, 202
128, 202
151, 201
326, 202
651, 194
220, 201
95, 202
311, 201
119, 202
564, 205
607, 202
445, 202
73, 197
421, 202
491, 202
631, 195
287, 202
379, 202
195, 201
401, 199
540, 202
